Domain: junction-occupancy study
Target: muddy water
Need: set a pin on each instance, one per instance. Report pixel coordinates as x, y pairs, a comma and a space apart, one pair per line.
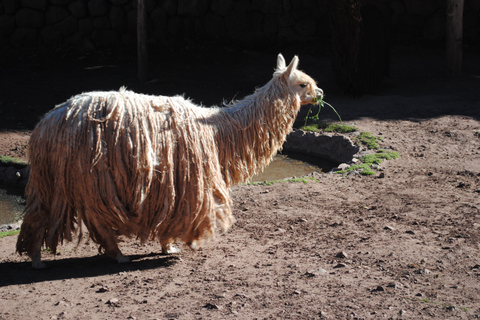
292, 165
11, 207
283, 166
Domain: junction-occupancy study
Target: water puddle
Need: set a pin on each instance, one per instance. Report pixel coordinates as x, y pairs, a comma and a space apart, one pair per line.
11, 207
293, 164
283, 166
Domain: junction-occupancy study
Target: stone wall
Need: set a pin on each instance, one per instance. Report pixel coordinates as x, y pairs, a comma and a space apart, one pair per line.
249, 23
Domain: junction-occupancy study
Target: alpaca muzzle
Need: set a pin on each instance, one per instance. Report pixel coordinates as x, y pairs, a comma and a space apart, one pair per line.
319, 93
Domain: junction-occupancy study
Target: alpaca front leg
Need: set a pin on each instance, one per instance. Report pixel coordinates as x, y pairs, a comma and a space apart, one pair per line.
36, 261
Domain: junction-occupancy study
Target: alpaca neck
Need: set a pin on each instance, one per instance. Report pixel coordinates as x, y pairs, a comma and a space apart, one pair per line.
255, 129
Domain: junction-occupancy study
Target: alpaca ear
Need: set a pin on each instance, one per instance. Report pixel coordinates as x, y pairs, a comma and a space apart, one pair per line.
280, 62
291, 67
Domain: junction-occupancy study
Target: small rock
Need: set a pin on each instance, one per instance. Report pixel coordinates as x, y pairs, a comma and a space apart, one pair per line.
410, 232
395, 285
340, 265
389, 228
426, 271
343, 166
113, 302
102, 289
379, 288
212, 306
341, 255
315, 272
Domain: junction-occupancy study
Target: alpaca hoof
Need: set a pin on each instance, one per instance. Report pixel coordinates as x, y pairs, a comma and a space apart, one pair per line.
123, 259
38, 265
169, 249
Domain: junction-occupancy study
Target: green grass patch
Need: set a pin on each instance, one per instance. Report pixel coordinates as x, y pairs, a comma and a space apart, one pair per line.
369, 140
376, 158
339, 128
7, 161
365, 169
8, 233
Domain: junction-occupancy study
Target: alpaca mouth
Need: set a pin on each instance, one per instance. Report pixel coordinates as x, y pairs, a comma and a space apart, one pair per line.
319, 93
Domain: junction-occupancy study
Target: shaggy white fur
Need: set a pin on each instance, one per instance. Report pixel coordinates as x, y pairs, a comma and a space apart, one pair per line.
154, 167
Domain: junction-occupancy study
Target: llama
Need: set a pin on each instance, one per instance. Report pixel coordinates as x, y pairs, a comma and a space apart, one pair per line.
154, 167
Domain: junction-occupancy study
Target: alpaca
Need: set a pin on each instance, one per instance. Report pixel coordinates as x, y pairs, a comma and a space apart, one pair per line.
154, 167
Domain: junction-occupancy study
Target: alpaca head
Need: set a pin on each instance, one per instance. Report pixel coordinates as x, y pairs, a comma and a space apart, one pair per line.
299, 83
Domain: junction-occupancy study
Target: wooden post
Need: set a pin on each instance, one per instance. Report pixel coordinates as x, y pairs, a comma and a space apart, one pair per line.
454, 35
142, 53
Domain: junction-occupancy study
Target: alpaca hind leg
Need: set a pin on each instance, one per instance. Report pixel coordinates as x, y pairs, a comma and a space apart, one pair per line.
169, 248
111, 246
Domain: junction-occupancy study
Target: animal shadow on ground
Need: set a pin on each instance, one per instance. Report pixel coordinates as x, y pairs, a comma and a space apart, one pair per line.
15, 273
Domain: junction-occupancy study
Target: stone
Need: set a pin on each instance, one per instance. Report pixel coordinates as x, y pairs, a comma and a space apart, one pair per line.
222, 7
7, 25
170, 7
238, 22
159, 18
343, 166
421, 8
306, 27
55, 14
336, 148
273, 6
51, 36
214, 25
132, 21
29, 18
97, 7
434, 28
101, 22
11, 6
78, 9
119, 2
25, 37
34, 4
175, 27
105, 37
270, 24
118, 19
341, 255
192, 7
60, 2
85, 26
67, 26
243, 6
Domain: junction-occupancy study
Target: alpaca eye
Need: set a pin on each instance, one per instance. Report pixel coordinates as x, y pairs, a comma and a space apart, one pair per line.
303, 85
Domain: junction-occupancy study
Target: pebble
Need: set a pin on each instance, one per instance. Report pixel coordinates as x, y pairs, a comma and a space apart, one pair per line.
341, 255
340, 265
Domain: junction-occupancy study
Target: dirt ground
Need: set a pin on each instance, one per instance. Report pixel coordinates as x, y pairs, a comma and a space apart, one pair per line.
401, 245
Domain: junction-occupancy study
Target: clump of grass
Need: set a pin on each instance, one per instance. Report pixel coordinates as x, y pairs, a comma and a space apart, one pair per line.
369, 140
7, 161
340, 128
376, 158
364, 168
331, 127
8, 233
321, 103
